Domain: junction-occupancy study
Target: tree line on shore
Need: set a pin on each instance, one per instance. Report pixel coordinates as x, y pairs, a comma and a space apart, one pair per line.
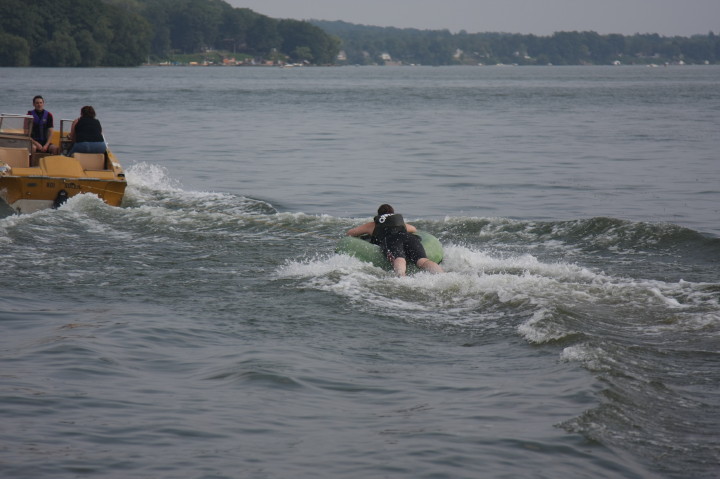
376, 45
87, 33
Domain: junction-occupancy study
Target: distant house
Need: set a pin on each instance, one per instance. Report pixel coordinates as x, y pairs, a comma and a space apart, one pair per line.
388, 61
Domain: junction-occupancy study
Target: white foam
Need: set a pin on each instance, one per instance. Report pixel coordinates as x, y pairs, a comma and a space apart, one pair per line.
542, 327
671, 302
592, 358
320, 267
151, 176
479, 287
451, 298
462, 259
150, 189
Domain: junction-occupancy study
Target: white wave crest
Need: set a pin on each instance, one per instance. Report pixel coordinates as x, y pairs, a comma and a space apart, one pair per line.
593, 358
151, 176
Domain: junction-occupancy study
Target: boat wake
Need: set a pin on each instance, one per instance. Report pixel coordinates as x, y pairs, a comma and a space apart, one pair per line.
555, 282
151, 186
544, 302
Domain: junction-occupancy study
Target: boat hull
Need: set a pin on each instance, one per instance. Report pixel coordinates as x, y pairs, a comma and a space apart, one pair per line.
365, 251
57, 178
28, 194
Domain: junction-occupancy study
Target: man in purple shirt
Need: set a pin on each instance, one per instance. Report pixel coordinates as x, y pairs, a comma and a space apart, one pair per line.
42, 128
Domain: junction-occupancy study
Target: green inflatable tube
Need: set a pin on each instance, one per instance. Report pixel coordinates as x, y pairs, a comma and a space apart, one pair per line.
363, 250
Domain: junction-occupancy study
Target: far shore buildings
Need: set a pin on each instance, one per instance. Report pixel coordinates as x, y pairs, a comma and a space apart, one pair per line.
388, 61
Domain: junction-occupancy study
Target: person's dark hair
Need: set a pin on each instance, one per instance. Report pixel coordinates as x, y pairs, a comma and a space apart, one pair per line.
38, 96
385, 209
87, 112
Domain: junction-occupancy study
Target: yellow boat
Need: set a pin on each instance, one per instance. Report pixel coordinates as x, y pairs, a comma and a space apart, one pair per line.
31, 182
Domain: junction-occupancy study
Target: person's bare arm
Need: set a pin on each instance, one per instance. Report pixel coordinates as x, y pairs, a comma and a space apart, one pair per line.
365, 229
71, 135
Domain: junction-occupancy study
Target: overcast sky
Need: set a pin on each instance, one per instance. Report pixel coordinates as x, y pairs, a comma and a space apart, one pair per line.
540, 17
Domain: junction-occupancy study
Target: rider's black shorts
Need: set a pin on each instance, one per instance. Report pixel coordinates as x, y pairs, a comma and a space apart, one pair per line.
403, 245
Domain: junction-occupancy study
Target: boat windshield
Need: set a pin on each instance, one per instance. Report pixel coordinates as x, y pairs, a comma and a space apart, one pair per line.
65, 129
16, 125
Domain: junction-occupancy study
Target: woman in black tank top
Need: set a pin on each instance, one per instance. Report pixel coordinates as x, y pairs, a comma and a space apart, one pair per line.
87, 134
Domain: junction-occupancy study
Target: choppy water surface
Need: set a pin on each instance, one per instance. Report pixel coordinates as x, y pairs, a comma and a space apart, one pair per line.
207, 329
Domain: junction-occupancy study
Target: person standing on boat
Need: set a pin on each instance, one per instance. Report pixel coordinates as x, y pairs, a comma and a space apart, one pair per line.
42, 128
86, 133
389, 231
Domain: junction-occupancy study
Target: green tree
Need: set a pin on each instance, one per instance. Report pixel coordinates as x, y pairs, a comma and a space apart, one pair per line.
616, 45
263, 36
60, 51
195, 24
91, 51
237, 23
131, 39
14, 51
306, 42
302, 54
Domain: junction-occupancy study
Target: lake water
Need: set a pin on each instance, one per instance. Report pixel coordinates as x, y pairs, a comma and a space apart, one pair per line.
207, 329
